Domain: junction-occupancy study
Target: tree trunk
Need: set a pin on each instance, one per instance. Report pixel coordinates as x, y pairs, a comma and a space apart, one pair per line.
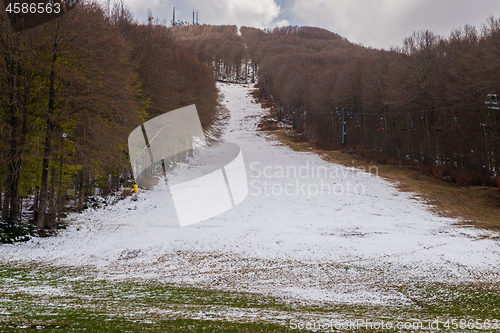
11, 208
52, 202
47, 150
5, 207
81, 191
44, 188
35, 204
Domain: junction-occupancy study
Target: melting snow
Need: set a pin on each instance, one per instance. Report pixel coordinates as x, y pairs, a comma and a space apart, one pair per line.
312, 242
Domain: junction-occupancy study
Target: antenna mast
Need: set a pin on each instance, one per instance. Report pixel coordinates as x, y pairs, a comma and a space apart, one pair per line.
150, 16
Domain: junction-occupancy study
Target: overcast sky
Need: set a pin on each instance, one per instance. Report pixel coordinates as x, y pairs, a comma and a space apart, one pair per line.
376, 23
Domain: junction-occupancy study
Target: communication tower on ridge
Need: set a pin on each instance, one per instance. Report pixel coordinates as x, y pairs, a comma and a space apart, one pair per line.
183, 23
150, 16
195, 22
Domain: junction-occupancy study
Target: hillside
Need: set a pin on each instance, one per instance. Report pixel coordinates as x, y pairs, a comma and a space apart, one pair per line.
421, 105
291, 198
341, 245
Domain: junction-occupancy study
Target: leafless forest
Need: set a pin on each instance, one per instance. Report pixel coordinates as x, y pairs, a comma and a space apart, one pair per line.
422, 104
71, 91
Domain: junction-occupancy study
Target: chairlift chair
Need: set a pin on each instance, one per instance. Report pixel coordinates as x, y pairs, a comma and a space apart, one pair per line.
491, 99
486, 126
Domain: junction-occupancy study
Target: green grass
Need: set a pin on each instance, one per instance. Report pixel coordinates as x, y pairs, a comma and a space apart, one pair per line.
63, 299
461, 301
68, 300
77, 321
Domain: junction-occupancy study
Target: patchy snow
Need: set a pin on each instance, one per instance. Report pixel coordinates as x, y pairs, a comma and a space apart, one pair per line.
340, 235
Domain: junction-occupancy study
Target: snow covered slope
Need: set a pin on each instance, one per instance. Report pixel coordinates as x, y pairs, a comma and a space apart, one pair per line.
308, 229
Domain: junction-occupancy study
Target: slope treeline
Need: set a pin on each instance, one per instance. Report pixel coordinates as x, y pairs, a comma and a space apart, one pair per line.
421, 104
71, 91
218, 46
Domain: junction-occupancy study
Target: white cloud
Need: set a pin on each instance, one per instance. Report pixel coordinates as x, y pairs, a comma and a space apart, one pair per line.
385, 23
257, 13
367, 22
281, 23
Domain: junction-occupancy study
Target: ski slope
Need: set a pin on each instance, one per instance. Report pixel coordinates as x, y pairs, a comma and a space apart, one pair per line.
340, 235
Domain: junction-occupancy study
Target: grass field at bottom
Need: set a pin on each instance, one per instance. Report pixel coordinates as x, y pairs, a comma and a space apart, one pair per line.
64, 299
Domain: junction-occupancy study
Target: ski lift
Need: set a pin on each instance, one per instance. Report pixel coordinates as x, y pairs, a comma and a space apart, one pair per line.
381, 124
456, 126
485, 125
492, 99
